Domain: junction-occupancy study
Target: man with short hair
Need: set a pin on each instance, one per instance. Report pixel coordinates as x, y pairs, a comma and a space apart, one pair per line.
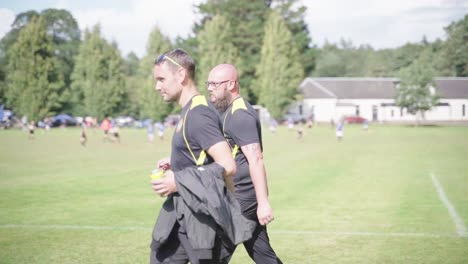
197, 140
242, 129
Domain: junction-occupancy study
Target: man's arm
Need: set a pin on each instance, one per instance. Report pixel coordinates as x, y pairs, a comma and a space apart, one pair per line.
253, 153
221, 154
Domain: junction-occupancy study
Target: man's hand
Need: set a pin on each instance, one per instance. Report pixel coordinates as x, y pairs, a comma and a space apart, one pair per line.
164, 163
166, 185
265, 214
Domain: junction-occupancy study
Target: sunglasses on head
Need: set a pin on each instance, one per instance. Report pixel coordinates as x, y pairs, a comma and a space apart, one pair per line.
163, 57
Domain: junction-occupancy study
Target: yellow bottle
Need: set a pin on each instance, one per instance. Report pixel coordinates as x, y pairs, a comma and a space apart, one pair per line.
157, 174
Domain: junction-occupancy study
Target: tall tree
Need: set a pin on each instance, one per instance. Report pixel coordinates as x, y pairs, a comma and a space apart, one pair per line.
34, 82
131, 64
129, 104
454, 55
150, 102
247, 20
98, 80
279, 71
293, 13
215, 47
416, 91
65, 34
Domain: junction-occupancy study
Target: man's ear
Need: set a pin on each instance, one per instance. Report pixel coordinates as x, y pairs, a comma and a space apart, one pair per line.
231, 86
181, 75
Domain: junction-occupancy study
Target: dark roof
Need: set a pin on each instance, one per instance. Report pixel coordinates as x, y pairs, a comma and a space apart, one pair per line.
452, 87
374, 88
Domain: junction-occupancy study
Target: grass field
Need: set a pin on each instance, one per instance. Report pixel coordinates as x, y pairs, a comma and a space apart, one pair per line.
372, 198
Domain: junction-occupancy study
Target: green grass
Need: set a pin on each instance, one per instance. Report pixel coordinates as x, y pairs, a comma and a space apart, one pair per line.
367, 199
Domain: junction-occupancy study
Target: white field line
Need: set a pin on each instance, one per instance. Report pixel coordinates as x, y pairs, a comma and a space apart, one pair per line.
351, 233
75, 227
279, 232
460, 227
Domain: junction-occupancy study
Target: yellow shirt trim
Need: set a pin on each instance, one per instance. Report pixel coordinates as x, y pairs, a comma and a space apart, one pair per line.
238, 104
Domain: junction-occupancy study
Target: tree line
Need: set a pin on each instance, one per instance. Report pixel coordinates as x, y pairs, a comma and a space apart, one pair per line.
48, 66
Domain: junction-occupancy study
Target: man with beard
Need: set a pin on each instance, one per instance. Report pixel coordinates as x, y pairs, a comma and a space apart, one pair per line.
241, 127
197, 140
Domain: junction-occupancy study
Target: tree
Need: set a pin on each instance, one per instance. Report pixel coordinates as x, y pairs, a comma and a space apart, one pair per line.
404, 56
247, 20
150, 103
129, 104
416, 90
98, 80
330, 62
378, 63
215, 47
65, 34
34, 81
293, 13
454, 55
131, 64
279, 71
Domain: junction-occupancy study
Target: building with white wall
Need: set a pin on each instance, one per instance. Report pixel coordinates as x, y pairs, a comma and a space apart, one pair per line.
327, 99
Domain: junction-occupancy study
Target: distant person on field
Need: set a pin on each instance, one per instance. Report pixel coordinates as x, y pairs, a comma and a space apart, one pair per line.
24, 123
114, 132
300, 131
160, 127
83, 137
105, 126
242, 129
47, 123
290, 123
310, 121
31, 127
273, 125
339, 131
365, 125
150, 131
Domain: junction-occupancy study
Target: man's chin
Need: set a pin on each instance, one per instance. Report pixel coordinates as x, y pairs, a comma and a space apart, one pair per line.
166, 98
212, 98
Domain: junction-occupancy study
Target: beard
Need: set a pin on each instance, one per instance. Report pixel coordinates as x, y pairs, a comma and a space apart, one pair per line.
222, 103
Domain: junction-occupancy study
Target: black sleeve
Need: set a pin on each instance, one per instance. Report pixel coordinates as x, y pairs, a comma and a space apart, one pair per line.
203, 127
243, 128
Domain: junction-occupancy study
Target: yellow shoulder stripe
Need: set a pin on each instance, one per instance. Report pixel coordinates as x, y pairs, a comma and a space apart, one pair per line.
198, 100
238, 104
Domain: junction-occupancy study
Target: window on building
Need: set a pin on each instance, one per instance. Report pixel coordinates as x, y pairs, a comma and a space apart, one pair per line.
392, 113
375, 113
463, 110
401, 111
357, 110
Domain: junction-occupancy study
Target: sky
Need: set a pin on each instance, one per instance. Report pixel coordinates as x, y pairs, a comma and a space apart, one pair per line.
379, 23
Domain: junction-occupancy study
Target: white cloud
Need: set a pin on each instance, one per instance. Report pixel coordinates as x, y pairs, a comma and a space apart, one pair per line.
7, 17
131, 28
383, 24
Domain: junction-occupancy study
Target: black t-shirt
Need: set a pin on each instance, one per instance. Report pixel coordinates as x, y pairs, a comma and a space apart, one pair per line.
242, 127
202, 130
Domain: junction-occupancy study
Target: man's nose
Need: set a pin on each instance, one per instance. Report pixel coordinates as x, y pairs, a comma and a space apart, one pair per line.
157, 87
